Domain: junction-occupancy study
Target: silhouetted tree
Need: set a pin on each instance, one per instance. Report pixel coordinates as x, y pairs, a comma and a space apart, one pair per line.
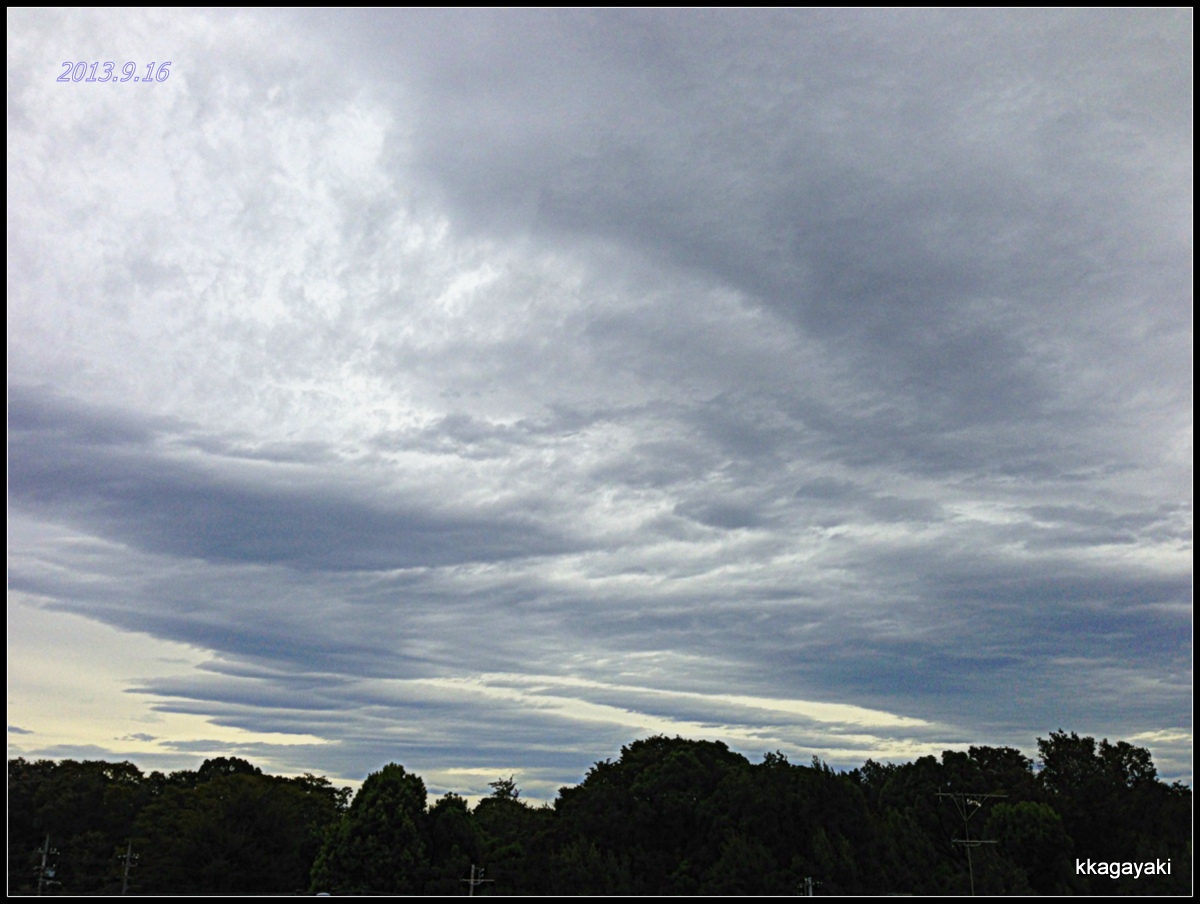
239, 832
380, 846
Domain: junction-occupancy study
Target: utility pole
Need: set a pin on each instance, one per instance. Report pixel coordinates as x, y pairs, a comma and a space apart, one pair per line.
968, 804
473, 881
46, 869
130, 862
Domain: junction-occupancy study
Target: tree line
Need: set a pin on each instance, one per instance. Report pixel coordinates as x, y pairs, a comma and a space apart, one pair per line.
669, 816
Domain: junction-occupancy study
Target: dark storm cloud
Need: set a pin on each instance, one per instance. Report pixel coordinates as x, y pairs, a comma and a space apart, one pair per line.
74, 465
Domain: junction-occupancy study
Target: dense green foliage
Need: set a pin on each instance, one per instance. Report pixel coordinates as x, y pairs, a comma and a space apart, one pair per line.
381, 845
670, 816
222, 829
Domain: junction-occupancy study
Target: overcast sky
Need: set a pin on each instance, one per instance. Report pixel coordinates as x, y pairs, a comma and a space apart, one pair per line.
483, 391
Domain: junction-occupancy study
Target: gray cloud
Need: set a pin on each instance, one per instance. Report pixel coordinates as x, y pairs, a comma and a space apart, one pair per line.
131, 491
490, 388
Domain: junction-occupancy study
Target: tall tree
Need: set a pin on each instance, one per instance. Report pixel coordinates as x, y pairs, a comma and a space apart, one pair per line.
380, 846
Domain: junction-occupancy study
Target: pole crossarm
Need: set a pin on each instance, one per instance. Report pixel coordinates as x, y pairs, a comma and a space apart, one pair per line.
968, 803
